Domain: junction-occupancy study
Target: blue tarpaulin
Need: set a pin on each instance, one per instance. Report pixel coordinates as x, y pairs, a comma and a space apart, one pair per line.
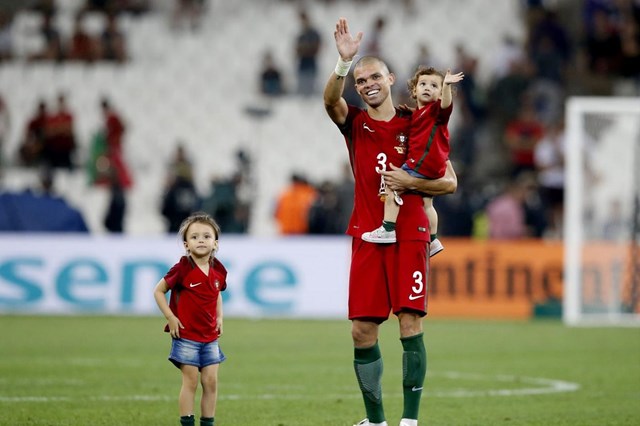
29, 212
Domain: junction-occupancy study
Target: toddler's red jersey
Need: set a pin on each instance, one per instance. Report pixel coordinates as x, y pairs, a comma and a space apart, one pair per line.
373, 145
194, 298
429, 136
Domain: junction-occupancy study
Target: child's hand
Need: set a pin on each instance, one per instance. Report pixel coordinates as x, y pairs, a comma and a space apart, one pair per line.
174, 327
453, 78
406, 108
219, 326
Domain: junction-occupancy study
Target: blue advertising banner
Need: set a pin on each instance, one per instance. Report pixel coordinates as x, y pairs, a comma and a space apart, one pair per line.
79, 274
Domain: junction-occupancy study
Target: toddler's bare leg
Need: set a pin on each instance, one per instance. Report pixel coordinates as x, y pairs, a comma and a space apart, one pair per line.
391, 209
432, 214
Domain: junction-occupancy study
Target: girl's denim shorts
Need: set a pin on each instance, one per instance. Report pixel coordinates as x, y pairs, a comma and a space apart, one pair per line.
199, 354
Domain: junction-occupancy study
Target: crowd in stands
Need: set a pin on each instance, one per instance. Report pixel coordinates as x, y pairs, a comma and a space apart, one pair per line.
49, 143
228, 200
507, 143
107, 42
523, 109
304, 208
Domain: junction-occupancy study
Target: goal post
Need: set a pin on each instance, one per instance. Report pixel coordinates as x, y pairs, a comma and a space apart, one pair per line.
602, 212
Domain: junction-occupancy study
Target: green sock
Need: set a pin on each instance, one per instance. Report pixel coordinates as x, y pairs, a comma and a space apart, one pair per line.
434, 237
367, 363
414, 369
188, 420
206, 421
388, 226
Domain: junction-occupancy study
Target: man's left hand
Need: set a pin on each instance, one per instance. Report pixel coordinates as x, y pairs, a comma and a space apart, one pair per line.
397, 179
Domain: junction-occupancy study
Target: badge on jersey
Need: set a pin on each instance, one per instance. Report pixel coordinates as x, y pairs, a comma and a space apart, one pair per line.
402, 140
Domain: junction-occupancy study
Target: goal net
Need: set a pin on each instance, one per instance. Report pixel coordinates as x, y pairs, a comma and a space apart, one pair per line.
602, 212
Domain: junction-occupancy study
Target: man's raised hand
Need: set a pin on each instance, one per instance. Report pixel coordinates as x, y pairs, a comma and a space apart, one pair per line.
347, 45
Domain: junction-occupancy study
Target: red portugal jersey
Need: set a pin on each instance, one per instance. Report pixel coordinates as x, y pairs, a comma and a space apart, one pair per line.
194, 298
429, 147
373, 145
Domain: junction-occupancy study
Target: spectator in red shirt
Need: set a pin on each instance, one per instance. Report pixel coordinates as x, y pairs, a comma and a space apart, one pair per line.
60, 141
82, 47
114, 129
521, 136
30, 152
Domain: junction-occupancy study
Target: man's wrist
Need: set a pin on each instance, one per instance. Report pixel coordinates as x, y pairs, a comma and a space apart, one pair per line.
413, 183
343, 66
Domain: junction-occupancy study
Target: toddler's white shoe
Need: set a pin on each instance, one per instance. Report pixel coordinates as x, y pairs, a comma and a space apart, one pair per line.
366, 422
408, 422
435, 247
380, 236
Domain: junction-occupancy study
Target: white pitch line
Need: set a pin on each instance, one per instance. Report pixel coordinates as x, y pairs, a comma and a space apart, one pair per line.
536, 386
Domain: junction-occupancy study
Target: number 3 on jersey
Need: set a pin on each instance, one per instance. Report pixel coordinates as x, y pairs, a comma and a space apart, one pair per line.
382, 161
382, 166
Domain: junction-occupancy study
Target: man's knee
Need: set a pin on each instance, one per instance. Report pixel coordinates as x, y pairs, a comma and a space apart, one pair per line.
410, 324
364, 333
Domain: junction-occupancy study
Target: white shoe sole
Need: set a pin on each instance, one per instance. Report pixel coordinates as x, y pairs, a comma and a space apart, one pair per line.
379, 240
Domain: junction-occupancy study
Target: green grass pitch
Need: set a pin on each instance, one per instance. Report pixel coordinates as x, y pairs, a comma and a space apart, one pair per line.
96, 370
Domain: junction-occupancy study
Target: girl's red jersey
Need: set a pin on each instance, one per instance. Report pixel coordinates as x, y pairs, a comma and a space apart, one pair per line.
429, 147
194, 298
373, 145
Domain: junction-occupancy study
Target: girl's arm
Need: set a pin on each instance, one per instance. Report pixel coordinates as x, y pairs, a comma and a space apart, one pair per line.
159, 294
219, 315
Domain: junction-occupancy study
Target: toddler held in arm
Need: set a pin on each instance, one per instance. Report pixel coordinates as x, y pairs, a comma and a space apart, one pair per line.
428, 148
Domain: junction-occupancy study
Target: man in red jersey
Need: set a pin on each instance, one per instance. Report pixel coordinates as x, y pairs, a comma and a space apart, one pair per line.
391, 277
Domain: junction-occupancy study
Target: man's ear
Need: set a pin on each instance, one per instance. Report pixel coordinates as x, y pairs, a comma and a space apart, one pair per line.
392, 78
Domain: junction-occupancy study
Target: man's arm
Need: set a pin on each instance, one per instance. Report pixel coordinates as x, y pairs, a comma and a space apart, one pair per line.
347, 47
399, 180
334, 103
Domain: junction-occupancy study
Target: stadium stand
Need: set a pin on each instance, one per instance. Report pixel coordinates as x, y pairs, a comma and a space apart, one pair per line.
202, 87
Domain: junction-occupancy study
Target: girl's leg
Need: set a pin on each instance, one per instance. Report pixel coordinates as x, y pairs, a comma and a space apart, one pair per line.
431, 214
209, 379
188, 389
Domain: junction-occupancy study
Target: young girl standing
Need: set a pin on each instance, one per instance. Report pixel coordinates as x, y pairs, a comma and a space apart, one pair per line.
194, 315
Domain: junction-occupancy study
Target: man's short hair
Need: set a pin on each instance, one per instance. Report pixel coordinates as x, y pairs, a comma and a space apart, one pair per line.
366, 60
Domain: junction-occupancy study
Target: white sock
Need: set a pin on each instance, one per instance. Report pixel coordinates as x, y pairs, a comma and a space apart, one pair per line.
408, 422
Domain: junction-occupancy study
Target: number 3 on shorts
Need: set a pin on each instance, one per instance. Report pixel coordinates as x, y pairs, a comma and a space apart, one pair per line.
419, 286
